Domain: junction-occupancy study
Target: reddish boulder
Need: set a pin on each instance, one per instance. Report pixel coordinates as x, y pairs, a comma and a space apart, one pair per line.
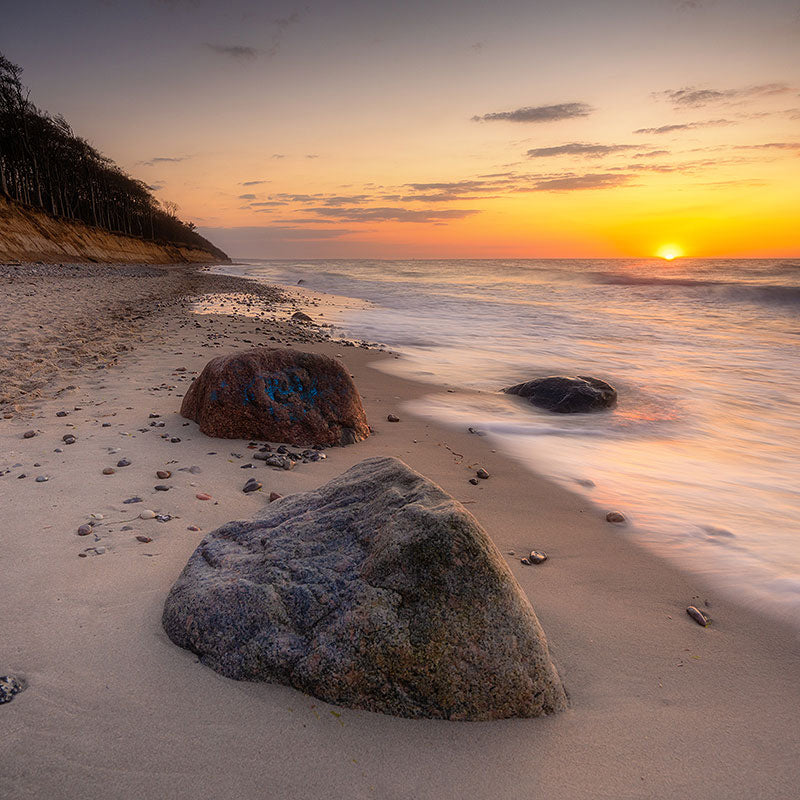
278, 396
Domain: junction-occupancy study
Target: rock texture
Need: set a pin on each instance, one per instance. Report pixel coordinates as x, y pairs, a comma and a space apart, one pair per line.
377, 591
278, 396
566, 395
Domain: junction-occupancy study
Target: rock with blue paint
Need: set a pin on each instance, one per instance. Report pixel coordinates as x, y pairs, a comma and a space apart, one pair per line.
278, 396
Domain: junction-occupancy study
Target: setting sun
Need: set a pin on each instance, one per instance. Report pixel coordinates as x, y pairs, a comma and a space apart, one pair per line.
669, 251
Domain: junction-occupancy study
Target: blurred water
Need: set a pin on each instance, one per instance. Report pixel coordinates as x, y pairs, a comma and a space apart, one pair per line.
702, 452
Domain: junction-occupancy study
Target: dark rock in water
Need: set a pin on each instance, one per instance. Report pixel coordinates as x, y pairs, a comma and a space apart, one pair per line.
615, 516
376, 591
567, 395
9, 687
277, 395
698, 616
299, 316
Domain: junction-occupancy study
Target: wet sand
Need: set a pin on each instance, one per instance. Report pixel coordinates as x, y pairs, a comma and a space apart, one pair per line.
660, 707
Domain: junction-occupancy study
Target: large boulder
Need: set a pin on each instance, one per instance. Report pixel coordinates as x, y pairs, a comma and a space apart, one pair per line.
567, 395
277, 396
376, 591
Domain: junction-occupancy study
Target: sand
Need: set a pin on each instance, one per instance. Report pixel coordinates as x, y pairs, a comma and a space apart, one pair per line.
660, 707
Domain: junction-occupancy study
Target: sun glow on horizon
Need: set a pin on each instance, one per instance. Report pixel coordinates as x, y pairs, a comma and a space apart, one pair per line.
669, 252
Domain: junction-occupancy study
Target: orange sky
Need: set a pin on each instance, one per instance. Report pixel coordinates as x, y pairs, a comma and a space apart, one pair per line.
442, 128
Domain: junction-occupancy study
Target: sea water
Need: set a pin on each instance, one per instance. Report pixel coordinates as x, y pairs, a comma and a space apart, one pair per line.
702, 452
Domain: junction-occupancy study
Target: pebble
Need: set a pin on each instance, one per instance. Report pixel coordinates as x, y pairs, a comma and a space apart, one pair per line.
29, 434
96, 516
68, 438
123, 462
193, 528
106, 425
84, 530
537, 557
698, 616
251, 486
474, 481
175, 439
273, 496
9, 686
109, 471
42, 479
126, 528
203, 496
614, 516
393, 418
482, 473
147, 514
58, 450
161, 488
163, 517
62, 413
163, 474
132, 500
142, 538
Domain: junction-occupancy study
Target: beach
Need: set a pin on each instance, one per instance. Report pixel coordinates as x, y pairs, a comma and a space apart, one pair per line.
659, 706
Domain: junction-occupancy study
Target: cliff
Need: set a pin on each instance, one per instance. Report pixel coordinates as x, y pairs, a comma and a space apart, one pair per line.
28, 234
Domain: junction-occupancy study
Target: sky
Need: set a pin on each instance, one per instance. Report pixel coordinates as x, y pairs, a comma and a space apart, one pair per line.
440, 128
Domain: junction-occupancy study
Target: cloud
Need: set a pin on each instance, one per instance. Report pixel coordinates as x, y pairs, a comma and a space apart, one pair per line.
282, 24
164, 160
281, 232
268, 203
770, 146
312, 155
235, 51
247, 197
278, 155
252, 183
687, 126
579, 149
539, 113
570, 183
692, 97
392, 214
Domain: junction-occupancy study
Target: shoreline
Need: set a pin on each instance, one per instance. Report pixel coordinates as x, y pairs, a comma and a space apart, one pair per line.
659, 706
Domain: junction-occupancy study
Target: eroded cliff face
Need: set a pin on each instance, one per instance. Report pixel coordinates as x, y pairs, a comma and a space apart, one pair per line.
27, 234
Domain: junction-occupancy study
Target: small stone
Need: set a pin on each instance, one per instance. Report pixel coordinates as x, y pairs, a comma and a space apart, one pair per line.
142, 538
84, 530
161, 488
615, 516
163, 517
474, 481
482, 474
698, 616
82, 555
525, 562
537, 557
42, 479
29, 434
203, 496
106, 425
251, 486
68, 439
193, 528
393, 418
155, 416
58, 450
9, 687
163, 474
126, 528
175, 439
96, 516
62, 413
109, 471
99, 550
147, 514
123, 462
273, 496
132, 500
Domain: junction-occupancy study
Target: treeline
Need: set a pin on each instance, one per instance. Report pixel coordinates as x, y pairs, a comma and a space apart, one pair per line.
44, 164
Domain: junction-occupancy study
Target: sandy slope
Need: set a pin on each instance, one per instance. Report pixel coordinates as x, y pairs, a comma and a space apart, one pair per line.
661, 708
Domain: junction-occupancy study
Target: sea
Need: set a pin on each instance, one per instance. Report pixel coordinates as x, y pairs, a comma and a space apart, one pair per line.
702, 452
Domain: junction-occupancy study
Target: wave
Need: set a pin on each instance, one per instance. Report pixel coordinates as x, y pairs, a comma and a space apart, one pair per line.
763, 292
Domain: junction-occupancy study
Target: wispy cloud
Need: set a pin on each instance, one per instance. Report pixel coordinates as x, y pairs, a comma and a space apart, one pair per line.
392, 214
252, 183
538, 113
687, 126
247, 197
580, 149
770, 146
570, 183
236, 51
164, 160
693, 97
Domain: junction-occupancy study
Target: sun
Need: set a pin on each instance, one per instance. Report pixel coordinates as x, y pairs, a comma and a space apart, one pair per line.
669, 252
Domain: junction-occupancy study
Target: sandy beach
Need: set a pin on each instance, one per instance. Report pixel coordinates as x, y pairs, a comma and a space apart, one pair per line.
659, 706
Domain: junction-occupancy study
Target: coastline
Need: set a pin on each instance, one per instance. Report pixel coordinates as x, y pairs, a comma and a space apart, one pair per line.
659, 706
